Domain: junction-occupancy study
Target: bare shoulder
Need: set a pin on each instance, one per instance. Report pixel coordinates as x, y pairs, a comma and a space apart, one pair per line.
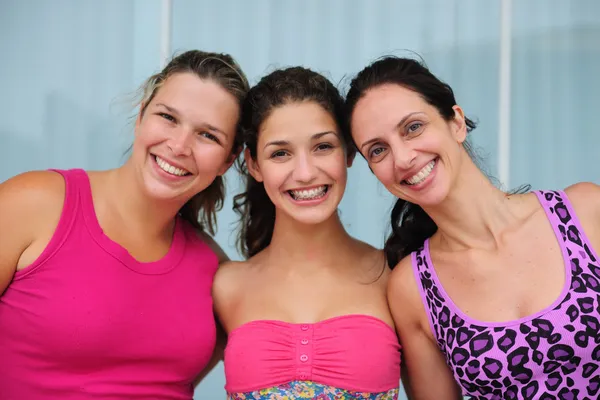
403, 293
36, 197
372, 260
228, 288
33, 187
214, 246
585, 197
230, 269
30, 207
229, 279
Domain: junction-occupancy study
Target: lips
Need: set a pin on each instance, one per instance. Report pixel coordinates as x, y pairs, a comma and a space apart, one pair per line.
169, 168
421, 175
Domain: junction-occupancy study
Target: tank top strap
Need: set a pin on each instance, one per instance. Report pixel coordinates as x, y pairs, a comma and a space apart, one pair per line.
432, 297
557, 207
71, 204
72, 179
565, 223
70, 209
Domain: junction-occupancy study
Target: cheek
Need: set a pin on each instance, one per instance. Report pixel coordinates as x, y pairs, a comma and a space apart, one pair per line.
148, 134
340, 173
334, 166
274, 177
384, 171
210, 157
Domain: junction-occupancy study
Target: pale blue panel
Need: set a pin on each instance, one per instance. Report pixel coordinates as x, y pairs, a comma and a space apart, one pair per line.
66, 68
555, 86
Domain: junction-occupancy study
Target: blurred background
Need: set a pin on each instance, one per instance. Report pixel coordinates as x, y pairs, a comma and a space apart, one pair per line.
525, 69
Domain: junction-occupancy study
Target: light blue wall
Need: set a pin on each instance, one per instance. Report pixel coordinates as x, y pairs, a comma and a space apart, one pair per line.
554, 132
68, 64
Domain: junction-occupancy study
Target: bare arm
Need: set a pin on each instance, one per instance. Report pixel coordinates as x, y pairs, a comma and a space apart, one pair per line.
224, 298
13, 236
217, 354
425, 373
30, 207
221, 335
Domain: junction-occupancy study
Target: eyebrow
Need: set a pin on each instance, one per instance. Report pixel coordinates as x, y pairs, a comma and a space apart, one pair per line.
286, 142
204, 125
398, 125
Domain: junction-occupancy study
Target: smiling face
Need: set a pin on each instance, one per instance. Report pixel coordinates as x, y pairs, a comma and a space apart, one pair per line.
411, 149
300, 159
184, 137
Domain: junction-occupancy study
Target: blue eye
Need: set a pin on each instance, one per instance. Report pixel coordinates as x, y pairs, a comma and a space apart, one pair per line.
376, 151
412, 128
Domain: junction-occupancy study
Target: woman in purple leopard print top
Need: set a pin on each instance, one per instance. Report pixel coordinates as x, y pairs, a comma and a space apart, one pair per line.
494, 295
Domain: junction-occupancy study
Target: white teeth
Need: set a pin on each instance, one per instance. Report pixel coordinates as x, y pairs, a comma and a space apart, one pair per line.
309, 194
422, 174
165, 166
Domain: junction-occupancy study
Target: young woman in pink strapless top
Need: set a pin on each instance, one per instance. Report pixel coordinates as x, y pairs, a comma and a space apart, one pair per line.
306, 314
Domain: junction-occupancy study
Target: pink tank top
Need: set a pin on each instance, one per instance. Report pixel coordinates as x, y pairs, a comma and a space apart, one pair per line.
352, 356
88, 321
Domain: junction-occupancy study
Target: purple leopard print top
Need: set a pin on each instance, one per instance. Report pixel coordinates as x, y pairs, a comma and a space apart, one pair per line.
553, 354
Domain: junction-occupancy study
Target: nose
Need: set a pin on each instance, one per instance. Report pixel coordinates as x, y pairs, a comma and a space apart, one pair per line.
305, 170
179, 143
404, 156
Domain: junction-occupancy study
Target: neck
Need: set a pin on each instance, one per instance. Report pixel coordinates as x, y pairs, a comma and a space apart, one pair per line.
127, 200
304, 245
475, 213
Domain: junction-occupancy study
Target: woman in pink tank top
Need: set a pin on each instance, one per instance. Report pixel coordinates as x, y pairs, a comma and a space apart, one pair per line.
306, 313
105, 277
495, 295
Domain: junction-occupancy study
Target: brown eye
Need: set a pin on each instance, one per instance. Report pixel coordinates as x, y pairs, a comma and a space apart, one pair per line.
324, 146
210, 136
278, 154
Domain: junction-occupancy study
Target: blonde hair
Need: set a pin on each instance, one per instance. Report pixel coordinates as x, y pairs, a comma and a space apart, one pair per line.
222, 69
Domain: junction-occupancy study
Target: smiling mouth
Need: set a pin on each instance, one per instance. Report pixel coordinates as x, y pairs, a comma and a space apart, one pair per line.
168, 168
309, 194
421, 175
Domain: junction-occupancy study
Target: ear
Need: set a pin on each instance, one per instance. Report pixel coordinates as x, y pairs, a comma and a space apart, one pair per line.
252, 165
458, 125
230, 160
350, 155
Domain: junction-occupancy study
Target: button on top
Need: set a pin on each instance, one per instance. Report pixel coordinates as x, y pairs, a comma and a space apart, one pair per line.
304, 327
304, 358
304, 341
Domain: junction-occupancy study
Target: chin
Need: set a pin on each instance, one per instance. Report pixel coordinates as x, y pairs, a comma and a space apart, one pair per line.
431, 198
313, 216
311, 220
158, 193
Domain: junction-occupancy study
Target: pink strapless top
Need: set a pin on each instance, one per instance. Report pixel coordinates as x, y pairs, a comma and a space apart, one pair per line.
351, 352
